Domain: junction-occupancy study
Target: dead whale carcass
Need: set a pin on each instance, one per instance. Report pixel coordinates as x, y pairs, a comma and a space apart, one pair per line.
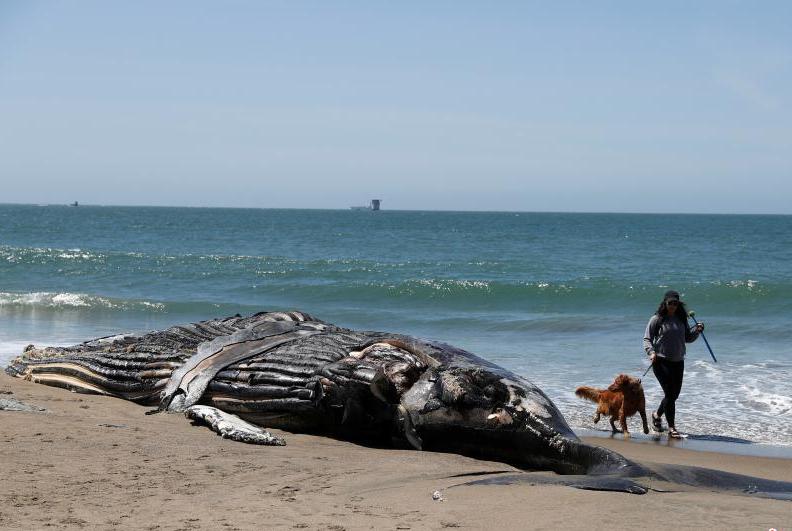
288, 370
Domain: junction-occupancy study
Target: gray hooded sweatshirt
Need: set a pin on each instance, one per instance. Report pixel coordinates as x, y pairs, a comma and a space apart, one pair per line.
667, 337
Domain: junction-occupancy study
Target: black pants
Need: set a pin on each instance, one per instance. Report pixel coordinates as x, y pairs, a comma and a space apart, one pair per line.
669, 374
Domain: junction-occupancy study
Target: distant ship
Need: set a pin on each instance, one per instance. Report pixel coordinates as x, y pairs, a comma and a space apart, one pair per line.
75, 204
375, 205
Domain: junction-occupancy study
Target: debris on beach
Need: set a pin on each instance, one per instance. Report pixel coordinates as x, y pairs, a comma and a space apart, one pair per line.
12, 404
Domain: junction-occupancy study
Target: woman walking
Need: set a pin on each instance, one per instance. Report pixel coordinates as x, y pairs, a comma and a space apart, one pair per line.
664, 342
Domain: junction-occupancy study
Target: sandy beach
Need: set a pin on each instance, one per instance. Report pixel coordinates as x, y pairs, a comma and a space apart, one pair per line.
100, 463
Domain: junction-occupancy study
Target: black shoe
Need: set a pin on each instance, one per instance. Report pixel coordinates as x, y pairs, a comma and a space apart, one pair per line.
657, 423
674, 434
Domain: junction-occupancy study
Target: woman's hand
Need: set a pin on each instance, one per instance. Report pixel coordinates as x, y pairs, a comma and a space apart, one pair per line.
652, 357
699, 327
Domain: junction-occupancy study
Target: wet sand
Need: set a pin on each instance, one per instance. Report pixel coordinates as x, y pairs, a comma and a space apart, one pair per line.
99, 463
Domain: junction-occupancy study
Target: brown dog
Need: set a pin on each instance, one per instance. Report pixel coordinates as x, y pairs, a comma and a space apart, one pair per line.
623, 398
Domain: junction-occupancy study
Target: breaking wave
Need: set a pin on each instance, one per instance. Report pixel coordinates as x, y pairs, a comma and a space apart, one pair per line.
46, 300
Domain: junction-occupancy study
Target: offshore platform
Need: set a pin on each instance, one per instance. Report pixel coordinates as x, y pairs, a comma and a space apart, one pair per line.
374, 205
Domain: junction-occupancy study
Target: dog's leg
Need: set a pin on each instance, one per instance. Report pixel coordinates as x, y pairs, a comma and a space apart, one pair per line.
613, 426
623, 422
596, 417
643, 418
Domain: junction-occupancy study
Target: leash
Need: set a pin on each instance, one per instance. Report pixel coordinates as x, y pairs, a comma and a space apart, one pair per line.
692, 315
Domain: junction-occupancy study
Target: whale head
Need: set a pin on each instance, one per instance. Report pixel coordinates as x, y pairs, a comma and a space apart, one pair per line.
489, 414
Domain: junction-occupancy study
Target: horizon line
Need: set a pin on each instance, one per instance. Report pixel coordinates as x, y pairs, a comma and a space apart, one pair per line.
343, 209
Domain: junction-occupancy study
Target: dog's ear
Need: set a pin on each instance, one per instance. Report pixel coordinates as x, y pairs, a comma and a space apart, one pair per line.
618, 383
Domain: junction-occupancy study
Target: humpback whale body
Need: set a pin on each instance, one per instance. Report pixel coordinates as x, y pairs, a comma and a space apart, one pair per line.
288, 370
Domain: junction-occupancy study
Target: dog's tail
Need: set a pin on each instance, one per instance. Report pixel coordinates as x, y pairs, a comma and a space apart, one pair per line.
589, 393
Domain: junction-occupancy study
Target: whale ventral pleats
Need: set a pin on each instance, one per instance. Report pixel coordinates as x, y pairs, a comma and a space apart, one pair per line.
365, 385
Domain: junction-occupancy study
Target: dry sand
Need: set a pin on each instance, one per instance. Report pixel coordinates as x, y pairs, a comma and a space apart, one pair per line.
100, 463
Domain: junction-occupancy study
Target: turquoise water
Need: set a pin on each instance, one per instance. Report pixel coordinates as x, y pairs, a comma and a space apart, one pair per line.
561, 298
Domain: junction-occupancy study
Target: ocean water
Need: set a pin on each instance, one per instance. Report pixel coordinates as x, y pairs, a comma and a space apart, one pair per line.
561, 299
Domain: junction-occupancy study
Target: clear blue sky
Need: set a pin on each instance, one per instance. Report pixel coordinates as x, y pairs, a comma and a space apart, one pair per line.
561, 106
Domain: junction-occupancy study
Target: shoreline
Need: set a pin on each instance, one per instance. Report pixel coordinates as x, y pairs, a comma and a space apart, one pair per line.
691, 443
91, 461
